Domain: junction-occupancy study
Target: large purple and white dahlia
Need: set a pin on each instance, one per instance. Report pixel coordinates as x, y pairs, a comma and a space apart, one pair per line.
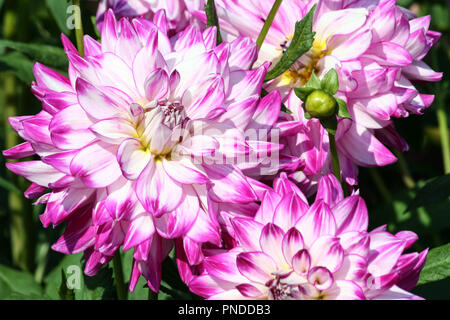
144, 133
292, 250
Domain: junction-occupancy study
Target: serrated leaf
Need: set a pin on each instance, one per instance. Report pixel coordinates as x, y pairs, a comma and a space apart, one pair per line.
436, 191
301, 43
330, 82
437, 266
58, 8
330, 124
45, 54
212, 19
342, 109
303, 93
19, 64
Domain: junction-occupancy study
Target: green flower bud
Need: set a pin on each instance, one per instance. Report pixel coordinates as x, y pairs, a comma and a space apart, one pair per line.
320, 104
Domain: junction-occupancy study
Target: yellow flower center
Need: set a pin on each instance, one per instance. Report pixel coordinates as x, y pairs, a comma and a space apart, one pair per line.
300, 72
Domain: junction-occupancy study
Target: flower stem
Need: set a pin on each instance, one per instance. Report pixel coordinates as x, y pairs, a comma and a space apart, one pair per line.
384, 191
443, 129
122, 293
336, 165
79, 28
268, 23
335, 158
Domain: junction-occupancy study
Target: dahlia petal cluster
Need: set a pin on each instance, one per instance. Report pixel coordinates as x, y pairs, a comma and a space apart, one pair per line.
141, 137
377, 49
177, 12
291, 250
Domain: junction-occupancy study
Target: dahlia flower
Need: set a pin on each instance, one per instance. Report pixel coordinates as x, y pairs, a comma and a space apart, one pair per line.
291, 250
141, 136
377, 49
176, 10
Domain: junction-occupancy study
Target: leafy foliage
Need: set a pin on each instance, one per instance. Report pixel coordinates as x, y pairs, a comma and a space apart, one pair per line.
45, 54
58, 8
436, 191
437, 266
301, 43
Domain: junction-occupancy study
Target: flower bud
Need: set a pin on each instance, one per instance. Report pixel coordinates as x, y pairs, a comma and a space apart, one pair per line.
320, 104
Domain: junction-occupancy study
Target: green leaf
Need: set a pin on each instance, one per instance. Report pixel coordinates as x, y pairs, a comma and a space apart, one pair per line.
16, 284
45, 54
342, 109
330, 82
19, 64
301, 43
314, 82
437, 266
330, 124
64, 292
58, 8
1, 3
303, 93
85, 287
436, 191
212, 19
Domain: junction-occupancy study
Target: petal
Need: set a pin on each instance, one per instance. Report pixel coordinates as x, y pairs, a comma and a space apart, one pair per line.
289, 210
35, 171
351, 215
317, 222
132, 158
184, 172
271, 243
292, 243
113, 130
140, 229
345, 290
96, 165
157, 192
156, 85
229, 184
256, 266
327, 252
301, 262
321, 278
247, 232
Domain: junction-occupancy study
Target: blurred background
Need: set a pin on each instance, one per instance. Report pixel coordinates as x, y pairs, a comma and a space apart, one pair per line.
29, 269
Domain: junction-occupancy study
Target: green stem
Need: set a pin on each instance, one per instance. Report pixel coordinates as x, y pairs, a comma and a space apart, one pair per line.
268, 23
122, 293
443, 129
79, 28
336, 165
442, 88
335, 158
384, 191
407, 178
